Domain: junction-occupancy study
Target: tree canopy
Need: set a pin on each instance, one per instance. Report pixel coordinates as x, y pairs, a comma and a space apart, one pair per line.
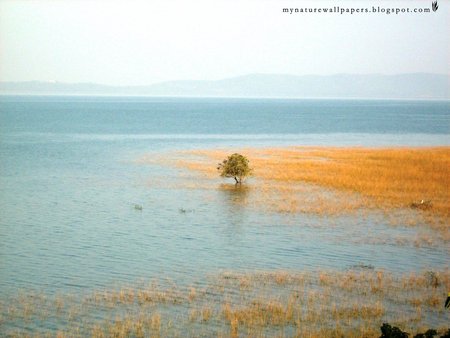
235, 166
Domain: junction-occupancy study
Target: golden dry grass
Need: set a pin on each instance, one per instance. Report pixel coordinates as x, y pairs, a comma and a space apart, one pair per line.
309, 303
350, 303
333, 180
398, 176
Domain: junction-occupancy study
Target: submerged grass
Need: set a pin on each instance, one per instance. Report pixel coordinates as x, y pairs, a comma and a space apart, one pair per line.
351, 303
407, 184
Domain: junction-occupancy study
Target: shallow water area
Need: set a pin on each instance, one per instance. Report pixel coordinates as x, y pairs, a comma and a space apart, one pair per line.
80, 212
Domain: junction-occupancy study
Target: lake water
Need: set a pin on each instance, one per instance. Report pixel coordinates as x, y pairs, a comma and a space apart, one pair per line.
69, 178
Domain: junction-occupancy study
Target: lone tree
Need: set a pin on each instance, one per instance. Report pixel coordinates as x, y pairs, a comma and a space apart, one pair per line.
235, 166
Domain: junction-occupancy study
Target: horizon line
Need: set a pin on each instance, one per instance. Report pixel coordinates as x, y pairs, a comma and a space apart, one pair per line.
225, 97
221, 79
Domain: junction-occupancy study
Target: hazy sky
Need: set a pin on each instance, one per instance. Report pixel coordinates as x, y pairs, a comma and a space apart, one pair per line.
131, 42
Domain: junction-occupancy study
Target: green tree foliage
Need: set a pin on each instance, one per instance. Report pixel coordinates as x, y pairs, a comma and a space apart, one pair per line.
235, 166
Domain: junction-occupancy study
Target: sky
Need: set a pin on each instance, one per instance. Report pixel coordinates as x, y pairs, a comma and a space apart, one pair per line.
139, 43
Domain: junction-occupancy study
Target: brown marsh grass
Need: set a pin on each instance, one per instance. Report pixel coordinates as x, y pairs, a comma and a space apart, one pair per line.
351, 303
330, 180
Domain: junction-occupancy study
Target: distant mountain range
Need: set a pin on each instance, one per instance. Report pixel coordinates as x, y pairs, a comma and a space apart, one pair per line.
402, 86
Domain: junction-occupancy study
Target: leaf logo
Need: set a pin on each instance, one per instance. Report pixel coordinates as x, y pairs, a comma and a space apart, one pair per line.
434, 6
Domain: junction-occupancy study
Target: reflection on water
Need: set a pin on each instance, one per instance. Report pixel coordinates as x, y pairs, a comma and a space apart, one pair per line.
236, 195
234, 198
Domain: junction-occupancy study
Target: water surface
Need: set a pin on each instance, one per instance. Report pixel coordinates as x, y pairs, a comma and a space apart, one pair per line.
69, 180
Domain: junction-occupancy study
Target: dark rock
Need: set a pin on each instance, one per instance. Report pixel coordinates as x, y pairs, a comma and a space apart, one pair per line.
388, 331
429, 334
423, 205
446, 334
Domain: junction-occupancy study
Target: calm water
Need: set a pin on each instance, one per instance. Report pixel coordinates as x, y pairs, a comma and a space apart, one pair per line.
69, 179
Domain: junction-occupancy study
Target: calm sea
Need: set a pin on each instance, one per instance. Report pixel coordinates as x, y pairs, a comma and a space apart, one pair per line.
69, 178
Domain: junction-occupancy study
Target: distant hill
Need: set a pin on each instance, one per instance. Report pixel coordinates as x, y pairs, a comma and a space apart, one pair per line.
402, 86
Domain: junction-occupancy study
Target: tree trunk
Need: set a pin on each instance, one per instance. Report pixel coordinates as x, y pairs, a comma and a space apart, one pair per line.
236, 180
